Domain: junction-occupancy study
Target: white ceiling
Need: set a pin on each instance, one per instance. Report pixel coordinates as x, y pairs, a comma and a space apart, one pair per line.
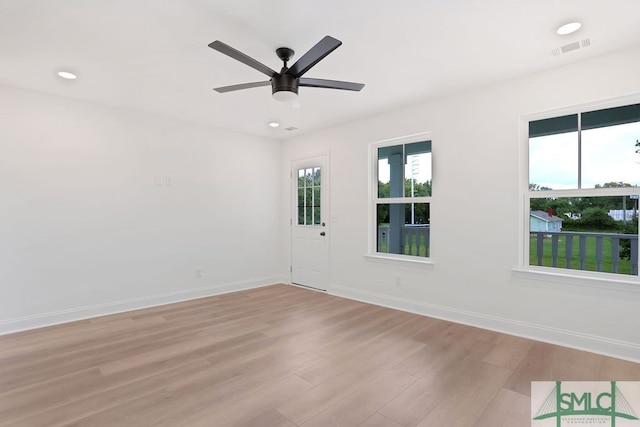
152, 55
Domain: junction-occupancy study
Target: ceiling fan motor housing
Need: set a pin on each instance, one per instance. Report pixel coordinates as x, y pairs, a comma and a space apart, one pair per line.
284, 83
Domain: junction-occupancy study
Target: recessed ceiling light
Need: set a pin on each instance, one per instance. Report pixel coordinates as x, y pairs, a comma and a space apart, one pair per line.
274, 124
67, 75
569, 28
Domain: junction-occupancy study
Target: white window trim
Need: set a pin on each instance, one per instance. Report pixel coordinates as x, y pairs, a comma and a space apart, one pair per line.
608, 281
372, 254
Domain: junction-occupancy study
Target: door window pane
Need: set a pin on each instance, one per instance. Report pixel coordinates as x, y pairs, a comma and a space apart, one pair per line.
309, 201
316, 177
316, 215
308, 218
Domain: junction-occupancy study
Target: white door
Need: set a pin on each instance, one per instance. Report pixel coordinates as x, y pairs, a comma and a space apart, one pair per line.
309, 223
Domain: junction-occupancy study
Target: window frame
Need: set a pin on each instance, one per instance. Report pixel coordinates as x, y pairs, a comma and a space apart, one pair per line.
605, 280
374, 201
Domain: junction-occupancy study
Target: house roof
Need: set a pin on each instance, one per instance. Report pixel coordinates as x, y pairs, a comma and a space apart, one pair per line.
153, 55
545, 216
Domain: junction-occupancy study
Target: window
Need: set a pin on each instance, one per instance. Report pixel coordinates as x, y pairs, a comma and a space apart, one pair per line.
583, 190
309, 196
402, 198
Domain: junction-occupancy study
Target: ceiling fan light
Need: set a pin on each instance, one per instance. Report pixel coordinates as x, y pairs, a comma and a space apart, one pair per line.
285, 96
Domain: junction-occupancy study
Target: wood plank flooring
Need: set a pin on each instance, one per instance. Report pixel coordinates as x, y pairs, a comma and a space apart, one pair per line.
279, 356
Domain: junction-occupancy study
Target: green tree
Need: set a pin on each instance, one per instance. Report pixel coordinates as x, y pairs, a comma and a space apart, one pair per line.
420, 214
383, 214
384, 189
597, 219
419, 189
536, 187
625, 244
537, 204
610, 202
559, 205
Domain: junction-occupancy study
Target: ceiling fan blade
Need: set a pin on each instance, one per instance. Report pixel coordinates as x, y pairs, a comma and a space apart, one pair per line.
323, 48
330, 84
241, 86
239, 56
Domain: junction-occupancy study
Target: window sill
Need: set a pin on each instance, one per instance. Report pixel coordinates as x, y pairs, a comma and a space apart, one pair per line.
401, 260
606, 281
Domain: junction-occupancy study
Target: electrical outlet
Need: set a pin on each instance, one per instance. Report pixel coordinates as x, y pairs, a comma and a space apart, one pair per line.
198, 273
398, 281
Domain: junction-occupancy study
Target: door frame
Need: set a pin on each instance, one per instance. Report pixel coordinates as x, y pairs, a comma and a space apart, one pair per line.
325, 211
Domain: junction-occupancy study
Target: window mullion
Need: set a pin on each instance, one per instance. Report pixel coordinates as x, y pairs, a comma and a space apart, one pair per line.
580, 150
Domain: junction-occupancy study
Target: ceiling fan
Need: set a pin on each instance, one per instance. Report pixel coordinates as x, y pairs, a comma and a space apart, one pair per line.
285, 84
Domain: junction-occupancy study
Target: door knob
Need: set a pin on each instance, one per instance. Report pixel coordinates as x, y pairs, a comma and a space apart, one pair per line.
323, 233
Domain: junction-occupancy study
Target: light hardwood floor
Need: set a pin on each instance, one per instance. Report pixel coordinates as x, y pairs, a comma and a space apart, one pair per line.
279, 356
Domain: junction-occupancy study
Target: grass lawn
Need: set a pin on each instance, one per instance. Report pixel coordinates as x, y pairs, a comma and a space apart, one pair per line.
624, 266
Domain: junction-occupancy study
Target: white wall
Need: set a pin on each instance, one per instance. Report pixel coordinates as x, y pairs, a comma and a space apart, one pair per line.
89, 224
476, 169
104, 209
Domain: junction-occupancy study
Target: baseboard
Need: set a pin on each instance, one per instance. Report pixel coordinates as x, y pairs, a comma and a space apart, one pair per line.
580, 341
63, 316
